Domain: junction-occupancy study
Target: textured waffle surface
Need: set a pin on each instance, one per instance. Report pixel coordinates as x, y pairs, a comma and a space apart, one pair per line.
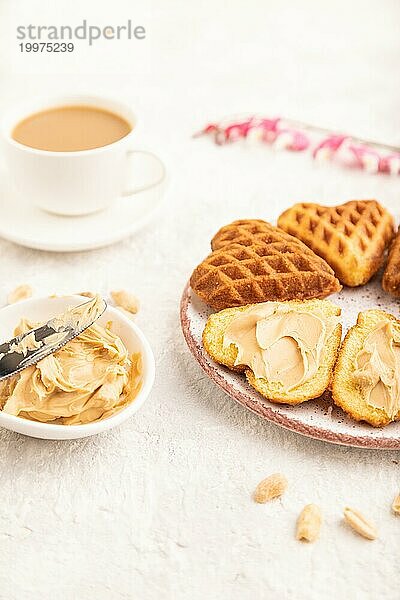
352, 237
236, 275
391, 276
248, 231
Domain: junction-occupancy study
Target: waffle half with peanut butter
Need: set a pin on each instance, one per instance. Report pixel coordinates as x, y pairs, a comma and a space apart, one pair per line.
286, 349
366, 381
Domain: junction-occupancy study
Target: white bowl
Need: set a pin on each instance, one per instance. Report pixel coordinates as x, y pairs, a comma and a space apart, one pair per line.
42, 309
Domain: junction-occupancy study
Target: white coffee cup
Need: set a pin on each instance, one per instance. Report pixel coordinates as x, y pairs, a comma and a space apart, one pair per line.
76, 183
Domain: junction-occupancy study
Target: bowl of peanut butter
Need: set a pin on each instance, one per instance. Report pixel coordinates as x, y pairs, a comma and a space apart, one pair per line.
93, 383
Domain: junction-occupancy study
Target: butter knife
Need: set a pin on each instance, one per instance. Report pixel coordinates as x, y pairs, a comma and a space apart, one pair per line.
28, 348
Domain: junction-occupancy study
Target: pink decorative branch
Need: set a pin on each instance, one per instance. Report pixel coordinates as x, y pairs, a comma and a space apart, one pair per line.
299, 137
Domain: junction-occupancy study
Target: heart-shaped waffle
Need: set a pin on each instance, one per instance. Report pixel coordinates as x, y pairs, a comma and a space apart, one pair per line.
352, 237
248, 231
391, 276
236, 274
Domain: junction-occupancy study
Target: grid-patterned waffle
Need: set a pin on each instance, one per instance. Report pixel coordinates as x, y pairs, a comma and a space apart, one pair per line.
391, 276
352, 237
248, 231
236, 275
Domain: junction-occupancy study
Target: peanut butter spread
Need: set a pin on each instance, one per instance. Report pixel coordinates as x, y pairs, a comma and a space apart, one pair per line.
76, 318
378, 368
90, 378
280, 343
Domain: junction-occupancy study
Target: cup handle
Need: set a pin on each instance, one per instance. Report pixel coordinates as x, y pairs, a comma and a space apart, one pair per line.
160, 168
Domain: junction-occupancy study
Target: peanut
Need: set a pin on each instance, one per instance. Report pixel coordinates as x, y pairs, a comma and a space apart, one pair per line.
360, 524
22, 292
309, 523
270, 488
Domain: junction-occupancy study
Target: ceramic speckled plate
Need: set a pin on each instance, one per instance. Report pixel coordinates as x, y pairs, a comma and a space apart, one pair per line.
319, 418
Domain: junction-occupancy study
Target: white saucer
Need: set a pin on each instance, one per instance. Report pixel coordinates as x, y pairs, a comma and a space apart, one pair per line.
27, 225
